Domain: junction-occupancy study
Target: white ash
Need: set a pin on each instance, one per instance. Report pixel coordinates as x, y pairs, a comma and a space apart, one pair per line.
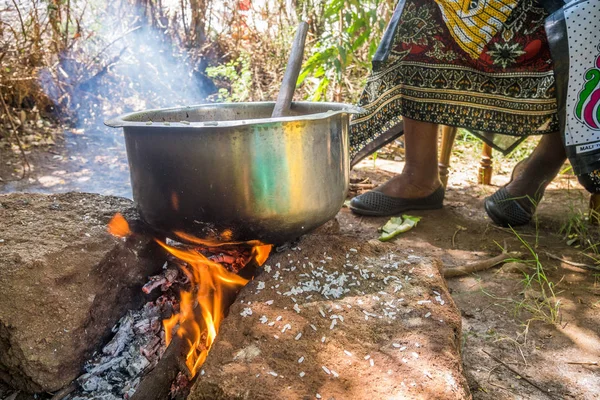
116, 371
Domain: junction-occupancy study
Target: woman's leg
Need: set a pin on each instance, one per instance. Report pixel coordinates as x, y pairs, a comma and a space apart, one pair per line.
418, 187
420, 177
531, 177
515, 204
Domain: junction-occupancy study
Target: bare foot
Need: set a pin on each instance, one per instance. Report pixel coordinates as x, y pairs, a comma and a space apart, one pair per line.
407, 186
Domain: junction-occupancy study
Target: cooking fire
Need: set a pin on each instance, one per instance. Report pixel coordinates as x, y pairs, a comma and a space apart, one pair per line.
198, 284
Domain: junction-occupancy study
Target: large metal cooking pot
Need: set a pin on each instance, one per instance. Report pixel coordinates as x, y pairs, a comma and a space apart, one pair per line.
230, 171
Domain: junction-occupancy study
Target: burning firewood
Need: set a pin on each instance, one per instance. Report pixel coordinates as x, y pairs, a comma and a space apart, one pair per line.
157, 383
151, 356
163, 281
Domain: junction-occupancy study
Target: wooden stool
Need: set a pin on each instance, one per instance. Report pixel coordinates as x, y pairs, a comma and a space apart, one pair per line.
485, 168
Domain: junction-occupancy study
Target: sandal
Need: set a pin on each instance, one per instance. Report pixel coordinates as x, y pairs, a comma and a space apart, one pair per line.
504, 209
377, 204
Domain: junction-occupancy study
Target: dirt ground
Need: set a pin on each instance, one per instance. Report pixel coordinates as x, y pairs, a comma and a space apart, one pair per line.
493, 304
508, 351
339, 317
94, 162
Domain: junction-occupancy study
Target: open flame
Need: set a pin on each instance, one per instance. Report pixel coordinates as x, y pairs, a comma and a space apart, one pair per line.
202, 309
118, 226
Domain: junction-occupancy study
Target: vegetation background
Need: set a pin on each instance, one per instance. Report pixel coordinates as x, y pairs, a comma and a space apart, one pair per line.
79, 60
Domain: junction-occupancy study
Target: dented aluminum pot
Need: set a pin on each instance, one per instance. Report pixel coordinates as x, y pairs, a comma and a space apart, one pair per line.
231, 172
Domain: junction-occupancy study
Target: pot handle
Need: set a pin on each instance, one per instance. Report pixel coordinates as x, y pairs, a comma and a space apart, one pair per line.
354, 110
114, 123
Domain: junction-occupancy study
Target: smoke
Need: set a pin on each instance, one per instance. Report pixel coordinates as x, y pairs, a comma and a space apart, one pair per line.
125, 59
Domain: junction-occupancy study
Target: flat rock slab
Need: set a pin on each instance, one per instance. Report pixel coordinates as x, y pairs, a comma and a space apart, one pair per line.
64, 283
337, 318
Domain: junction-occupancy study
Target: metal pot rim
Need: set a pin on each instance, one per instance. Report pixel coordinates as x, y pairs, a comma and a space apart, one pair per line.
336, 108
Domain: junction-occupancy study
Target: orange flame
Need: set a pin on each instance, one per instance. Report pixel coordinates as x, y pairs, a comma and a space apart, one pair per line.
210, 282
118, 226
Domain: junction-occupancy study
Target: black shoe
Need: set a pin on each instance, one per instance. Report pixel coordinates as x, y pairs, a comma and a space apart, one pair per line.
375, 203
505, 210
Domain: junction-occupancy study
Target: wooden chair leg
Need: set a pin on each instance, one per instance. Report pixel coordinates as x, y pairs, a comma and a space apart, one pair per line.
448, 136
485, 169
595, 209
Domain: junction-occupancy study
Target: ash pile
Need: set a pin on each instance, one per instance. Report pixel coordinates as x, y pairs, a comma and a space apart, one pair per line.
137, 346
139, 343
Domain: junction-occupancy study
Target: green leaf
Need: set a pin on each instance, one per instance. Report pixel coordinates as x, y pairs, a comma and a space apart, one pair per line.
398, 225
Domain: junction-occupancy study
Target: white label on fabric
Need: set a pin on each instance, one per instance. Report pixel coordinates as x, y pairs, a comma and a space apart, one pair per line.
584, 148
583, 96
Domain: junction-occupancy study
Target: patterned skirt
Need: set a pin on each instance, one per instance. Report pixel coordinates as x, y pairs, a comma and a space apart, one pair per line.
488, 70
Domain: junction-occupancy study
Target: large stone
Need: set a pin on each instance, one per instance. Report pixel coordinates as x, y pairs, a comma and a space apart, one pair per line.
341, 319
64, 282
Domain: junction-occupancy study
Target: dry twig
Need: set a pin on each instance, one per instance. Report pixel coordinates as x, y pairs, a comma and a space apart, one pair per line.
481, 265
514, 371
573, 263
583, 363
12, 123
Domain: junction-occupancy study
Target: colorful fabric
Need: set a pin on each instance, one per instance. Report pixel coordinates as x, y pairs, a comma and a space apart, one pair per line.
590, 181
473, 23
428, 76
582, 122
